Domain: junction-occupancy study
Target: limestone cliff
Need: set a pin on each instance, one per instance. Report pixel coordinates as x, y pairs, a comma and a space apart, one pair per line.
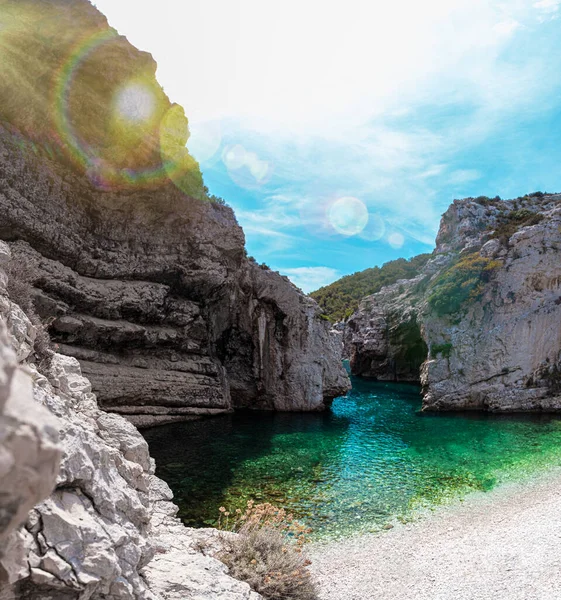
480, 326
141, 275
104, 526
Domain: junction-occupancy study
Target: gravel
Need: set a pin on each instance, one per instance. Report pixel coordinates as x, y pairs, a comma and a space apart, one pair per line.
500, 545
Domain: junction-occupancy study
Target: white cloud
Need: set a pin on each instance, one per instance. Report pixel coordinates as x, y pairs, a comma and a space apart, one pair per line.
548, 6
314, 63
432, 171
506, 28
463, 176
309, 279
342, 97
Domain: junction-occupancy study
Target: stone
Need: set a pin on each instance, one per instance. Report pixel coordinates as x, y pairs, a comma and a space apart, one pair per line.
29, 457
501, 351
108, 530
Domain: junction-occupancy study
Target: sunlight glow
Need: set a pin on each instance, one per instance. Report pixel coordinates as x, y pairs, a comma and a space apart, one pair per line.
135, 103
348, 216
246, 168
396, 240
205, 140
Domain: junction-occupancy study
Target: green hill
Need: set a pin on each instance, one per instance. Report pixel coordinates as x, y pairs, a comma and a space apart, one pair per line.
341, 298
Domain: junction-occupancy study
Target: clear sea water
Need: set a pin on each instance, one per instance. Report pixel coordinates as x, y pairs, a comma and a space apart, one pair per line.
371, 460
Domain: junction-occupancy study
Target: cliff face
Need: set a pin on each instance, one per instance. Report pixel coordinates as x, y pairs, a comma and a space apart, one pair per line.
82, 514
29, 451
479, 327
142, 277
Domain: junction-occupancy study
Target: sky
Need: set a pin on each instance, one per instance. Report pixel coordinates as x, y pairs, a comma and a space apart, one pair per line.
339, 132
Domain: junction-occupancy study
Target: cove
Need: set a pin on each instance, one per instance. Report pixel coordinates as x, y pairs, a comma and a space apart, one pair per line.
373, 458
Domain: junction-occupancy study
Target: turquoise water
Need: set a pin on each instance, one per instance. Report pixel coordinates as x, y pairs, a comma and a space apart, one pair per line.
372, 459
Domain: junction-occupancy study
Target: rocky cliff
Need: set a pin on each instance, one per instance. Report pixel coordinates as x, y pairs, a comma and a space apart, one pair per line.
104, 525
480, 326
141, 276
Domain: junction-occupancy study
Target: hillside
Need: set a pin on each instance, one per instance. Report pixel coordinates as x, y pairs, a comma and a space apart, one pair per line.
340, 299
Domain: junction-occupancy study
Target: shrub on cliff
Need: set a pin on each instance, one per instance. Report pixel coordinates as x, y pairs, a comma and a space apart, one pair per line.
463, 281
267, 552
19, 291
510, 223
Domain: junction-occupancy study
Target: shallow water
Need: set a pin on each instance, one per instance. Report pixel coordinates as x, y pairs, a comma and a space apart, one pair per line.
372, 459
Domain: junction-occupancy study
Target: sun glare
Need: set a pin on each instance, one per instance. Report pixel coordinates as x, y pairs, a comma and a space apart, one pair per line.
135, 103
348, 216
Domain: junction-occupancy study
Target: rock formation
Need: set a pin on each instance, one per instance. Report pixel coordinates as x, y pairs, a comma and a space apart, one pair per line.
108, 529
144, 279
479, 327
142, 276
29, 442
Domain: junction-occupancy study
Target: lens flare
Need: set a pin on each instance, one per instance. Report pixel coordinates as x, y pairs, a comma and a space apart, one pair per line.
348, 216
178, 164
70, 139
396, 240
234, 157
375, 228
245, 167
205, 140
135, 102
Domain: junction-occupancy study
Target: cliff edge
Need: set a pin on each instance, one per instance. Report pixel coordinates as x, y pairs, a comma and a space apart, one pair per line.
82, 514
479, 326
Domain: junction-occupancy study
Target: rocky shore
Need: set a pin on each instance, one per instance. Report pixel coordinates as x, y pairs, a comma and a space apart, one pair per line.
156, 314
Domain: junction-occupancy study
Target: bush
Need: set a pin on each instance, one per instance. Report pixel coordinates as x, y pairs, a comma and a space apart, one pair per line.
465, 280
340, 299
444, 349
509, 224
217, 200
267, 552
20, 291
486, 201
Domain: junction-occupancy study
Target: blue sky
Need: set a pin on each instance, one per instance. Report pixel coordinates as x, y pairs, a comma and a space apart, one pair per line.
340, 132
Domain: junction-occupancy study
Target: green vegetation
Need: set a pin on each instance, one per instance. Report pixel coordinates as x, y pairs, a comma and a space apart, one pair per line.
213, 198
340, 299
444, 349
69, 83
464, 281
486, 201
511, 222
